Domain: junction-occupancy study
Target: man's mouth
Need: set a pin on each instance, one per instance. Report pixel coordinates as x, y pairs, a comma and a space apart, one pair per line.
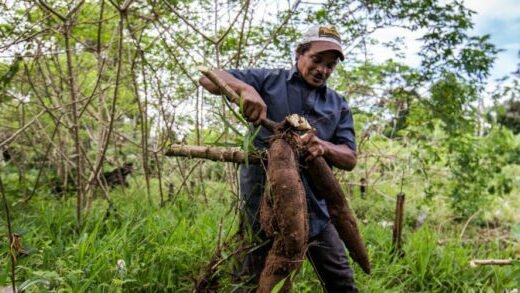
317, 77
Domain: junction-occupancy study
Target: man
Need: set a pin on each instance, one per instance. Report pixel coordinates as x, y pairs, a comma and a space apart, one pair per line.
275, 94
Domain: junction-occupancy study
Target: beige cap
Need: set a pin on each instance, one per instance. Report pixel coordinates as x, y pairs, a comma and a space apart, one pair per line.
323, 38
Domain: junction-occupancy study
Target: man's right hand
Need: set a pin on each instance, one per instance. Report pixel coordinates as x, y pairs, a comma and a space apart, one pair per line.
252, 105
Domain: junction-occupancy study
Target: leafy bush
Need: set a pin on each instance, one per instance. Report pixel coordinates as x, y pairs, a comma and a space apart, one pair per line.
476, 175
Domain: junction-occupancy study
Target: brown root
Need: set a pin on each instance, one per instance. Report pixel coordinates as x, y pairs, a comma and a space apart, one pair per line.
290, 215
277, 268
266, 212
340, 213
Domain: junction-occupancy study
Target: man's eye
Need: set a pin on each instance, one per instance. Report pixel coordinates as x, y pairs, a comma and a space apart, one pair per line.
316, 59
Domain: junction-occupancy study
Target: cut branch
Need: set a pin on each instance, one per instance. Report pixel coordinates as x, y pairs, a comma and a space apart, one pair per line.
490, 262
220, 154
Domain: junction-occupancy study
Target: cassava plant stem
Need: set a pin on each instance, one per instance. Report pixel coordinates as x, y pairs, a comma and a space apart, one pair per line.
220, 154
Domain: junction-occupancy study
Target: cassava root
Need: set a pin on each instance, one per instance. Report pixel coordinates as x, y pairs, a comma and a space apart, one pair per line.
289, 217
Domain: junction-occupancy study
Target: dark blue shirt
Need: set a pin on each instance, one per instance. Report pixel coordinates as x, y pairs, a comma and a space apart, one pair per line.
285, 92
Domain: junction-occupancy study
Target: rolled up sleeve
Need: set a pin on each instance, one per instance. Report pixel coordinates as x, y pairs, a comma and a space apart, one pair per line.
253, 77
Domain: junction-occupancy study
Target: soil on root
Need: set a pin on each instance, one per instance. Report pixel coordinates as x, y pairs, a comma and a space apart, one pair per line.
289, 216
266, 212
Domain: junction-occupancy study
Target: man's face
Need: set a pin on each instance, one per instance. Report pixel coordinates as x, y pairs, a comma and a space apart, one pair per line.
316, 67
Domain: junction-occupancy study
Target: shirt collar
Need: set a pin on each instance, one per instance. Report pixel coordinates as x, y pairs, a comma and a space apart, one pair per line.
295, 74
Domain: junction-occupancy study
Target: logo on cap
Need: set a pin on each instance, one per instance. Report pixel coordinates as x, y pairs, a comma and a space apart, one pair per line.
329, 32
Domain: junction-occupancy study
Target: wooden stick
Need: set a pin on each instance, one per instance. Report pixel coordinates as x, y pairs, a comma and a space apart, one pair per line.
490, 262
398, 223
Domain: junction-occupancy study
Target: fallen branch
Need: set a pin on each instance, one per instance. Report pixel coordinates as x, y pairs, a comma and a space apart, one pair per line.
490, 262
220, 154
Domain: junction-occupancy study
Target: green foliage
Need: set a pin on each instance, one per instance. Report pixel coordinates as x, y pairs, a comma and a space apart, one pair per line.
86, 34
161, 248
7, 75
434, 259
508, 115
166, 249
476, 170
446, 43
449, 102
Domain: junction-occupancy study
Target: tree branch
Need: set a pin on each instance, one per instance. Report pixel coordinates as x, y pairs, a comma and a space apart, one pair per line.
21, 130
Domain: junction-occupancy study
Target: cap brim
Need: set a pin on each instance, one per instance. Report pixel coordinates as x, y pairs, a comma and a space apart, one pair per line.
322, 46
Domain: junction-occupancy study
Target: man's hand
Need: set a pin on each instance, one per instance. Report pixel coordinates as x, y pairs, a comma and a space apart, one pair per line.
340, 155
315, 146
253, 107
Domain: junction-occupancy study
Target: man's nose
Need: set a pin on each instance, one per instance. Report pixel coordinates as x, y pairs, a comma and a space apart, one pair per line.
324, 69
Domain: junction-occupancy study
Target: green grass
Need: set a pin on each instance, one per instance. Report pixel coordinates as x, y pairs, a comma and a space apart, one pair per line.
165, 249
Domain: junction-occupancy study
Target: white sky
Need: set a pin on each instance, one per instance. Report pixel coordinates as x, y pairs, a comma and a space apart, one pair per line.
500, 19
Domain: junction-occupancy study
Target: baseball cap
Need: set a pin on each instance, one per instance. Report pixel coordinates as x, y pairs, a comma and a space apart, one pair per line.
323, 38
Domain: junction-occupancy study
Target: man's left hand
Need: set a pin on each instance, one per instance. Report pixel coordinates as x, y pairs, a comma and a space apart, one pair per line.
315, 146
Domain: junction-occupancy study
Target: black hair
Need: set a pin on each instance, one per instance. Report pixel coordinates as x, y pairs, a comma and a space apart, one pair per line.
302, 48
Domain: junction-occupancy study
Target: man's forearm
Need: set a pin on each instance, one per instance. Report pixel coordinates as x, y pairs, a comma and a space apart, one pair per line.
237, 85
340, 156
